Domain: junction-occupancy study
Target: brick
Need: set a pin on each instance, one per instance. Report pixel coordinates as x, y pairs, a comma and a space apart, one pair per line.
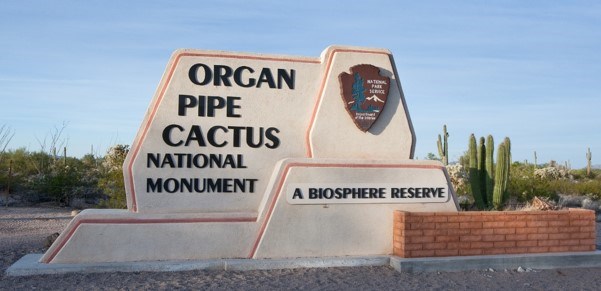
398, 245
422, 225
531, 213
398, 238
413, 247
441, 231
413, 219
534, 236
447, 253
435, 219
527, 230
560, 235
430, 232
581, 222
421, 239
481, 245
550, 217
453, 218
470, 252
462, 218
506, 217
569, 242
470, 238
470, 225
401, 226
447, 225
493, 224
537, 223
422, 253
398, 218
486, 218
516, 250
570, 229
538, 249
414, 232
447, 238
548, 230
559, 249
516, 237
582, 213
454, 245
493, 237
504, 231
559, 223
548, 243
582, 235
587, 241
504, 244
515, 224
481, 231
421, 214
526, 243
447, 213
434, 246
458, 232
473, 213
398, 231
590, 228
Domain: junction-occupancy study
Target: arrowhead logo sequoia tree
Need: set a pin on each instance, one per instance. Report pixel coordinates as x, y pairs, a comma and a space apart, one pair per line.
364, 92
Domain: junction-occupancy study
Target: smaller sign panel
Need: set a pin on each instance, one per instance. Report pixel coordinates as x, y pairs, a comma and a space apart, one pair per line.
364, 92
368, 193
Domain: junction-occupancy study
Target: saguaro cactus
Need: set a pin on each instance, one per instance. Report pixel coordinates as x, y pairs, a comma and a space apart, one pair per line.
500, 177
535, 161
474, 173
489, 179
443, 147
482, 169
588, 161
507, 143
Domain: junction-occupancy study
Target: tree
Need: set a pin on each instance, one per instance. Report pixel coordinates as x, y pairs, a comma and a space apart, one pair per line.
6, 135
432, 156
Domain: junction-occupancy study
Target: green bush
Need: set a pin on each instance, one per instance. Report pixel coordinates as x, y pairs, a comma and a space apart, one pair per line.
524, 185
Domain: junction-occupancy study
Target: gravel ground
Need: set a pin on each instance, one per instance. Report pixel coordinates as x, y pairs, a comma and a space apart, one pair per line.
23, 230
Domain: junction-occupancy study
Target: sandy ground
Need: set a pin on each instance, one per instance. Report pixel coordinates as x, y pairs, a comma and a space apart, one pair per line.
22, 231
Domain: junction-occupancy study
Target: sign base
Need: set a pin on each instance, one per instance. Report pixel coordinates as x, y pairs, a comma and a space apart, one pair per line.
329, 225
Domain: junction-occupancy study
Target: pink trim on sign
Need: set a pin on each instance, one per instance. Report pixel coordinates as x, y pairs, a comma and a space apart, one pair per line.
72, 230
282, 177
280, 183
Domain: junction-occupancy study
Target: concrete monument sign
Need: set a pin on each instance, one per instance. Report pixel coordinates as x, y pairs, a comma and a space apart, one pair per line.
261, 156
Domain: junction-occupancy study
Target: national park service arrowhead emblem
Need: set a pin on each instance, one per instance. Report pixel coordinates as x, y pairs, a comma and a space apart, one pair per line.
364, 93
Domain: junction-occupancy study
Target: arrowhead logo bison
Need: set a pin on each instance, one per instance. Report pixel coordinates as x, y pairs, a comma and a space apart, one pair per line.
364, 93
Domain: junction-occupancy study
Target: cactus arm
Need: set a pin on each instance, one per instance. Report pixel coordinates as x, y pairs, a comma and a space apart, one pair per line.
474, 173
500, 176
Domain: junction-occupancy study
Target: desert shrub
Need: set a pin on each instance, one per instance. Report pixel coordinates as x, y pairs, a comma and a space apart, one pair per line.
551, 173
591, 188
59, 181
111, 182
525, 185
459, 179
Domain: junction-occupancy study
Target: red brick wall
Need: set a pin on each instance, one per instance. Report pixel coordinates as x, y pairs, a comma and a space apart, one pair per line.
441, 234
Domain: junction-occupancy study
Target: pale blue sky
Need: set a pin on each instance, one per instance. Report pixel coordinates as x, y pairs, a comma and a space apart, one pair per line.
530, 70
